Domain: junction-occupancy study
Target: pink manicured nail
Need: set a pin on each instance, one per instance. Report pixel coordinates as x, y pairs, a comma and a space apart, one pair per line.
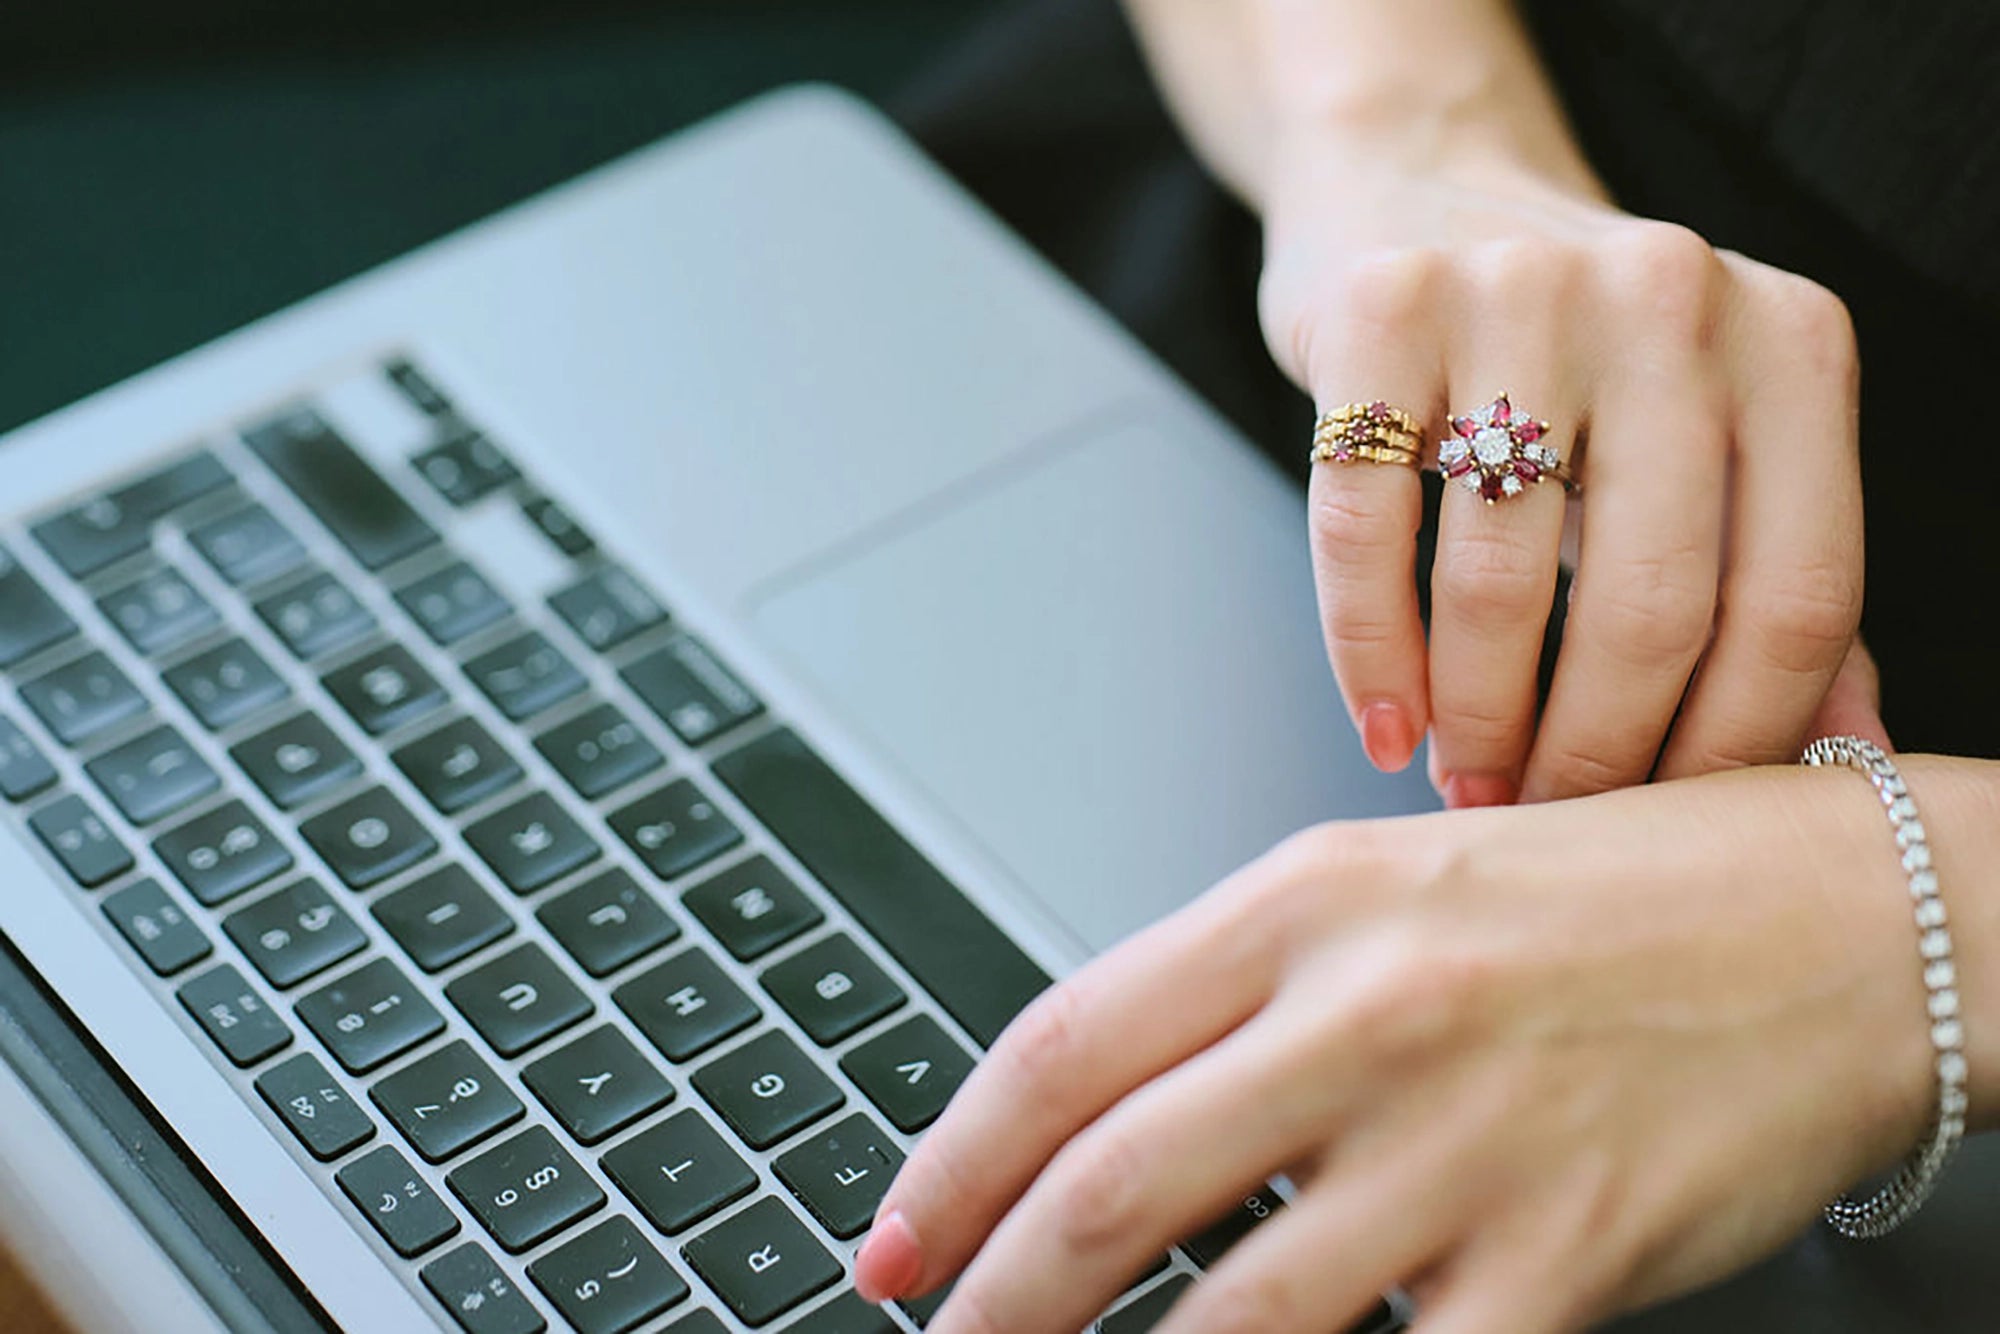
1465, 790
1388, 737
889, 1261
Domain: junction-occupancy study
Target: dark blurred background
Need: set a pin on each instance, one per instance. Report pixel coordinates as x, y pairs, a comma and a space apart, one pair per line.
170, 169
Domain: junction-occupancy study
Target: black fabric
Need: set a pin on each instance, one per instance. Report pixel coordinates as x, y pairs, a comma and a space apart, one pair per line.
1048, 114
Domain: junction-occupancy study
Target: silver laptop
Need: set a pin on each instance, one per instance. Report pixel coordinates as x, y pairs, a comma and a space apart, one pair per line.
526, 780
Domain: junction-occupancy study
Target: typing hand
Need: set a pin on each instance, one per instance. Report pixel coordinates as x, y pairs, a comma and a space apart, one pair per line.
1535, 1103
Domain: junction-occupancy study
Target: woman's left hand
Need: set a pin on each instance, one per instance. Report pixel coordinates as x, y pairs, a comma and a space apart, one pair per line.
1541, 1065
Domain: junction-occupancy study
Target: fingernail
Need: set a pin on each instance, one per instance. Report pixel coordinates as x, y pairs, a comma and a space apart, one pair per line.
889, 1261
1466, 790
1387, 736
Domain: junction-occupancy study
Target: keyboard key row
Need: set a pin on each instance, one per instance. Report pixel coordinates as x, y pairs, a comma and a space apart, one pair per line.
108, 528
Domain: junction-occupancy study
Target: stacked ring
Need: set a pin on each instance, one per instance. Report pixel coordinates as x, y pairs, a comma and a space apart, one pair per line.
1497, 452
1368, 433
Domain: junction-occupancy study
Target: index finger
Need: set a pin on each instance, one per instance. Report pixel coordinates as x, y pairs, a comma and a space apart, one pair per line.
1167, 993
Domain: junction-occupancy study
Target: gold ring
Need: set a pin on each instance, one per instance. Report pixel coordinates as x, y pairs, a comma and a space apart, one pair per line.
1368, 433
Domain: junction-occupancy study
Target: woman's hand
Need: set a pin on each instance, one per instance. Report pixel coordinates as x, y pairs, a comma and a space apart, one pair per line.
1706, 401
1542, 1064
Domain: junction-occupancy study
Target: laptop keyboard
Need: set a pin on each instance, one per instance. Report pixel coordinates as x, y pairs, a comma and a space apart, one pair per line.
584, 985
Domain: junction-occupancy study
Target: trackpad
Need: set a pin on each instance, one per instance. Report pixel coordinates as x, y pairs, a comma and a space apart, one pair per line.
1103, 663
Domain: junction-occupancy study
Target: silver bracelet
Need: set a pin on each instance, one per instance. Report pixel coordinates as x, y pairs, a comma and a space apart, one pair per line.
1894, 1204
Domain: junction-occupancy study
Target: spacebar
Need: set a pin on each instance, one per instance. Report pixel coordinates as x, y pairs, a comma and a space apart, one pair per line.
980, 977
341, 488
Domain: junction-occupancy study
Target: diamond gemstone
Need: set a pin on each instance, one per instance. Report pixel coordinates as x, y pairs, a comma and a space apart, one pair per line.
1930, 913
1947, 1035
1940, 974
1923, 884
1944, 1004
1471, 479
1510, 485
1492, 446
1917, 858
1451, 451
1951, 1067
1935, 944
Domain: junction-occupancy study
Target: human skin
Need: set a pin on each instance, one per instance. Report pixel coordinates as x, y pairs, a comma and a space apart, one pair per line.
1434, 236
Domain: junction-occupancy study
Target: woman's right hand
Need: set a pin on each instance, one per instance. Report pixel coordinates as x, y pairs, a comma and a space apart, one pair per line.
1706, 401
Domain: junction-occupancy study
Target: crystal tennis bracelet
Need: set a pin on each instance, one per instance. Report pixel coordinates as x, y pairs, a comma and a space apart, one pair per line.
1895, 1203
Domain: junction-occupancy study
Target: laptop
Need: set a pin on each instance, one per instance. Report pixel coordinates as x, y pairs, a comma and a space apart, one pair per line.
527, 780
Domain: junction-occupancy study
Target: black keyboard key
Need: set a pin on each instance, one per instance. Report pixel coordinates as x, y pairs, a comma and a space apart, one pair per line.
953, 950
297, 762
371, 519
692, 692
607, 922
294, 933
526, 1189
368, 838
675, 829
385, 689
752, 907
833, 989
81, 698
598, 1084
81, 841
154, 925
111, 527
248, 546
766, 1089
458, 765
161, 611
599, 751
703, 1321
226, 684
1142, 1315
842, 1173
519, 999
466, 469
679, 1172
442, 917
910, 1072
418, 388
234, 1016
446, 1102
525, 676
369, 1016
153, 775
30, 620
452, 603
1207, 1247
762, 1262
686, 1005
314, 1106
923, 1310
24, 770
607, 607
531, 843
398, 1202
610, 1280
555, 523
847, 1314
315, 616
223, 853
480, 1298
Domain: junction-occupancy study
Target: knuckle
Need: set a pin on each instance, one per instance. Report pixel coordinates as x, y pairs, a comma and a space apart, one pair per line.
1101, 1194
1815, 324
1355, 529
1804, 623
1654, 610
1492, 579
1416, 999
1042, 1047
1385, 293
1669, 271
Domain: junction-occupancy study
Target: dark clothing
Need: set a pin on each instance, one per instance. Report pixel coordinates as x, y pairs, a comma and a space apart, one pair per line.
1735, 119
